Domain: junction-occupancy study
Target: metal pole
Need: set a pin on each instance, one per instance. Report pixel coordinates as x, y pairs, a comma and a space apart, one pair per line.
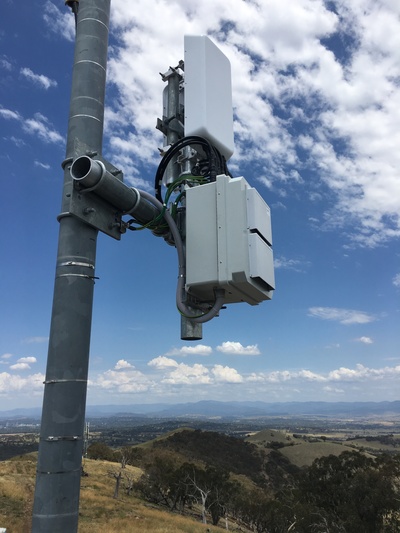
190, 331
56, 500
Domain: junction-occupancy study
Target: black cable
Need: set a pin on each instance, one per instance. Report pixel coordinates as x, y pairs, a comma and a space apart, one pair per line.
216, 162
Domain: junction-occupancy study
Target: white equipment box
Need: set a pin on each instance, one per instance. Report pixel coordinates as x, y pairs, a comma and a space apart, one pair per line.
228, 242
208, 93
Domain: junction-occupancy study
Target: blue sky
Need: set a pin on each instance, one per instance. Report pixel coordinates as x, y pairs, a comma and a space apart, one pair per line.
316, 100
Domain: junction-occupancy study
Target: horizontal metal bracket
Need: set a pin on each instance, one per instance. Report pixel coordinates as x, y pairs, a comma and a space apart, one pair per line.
67, 437
89, 207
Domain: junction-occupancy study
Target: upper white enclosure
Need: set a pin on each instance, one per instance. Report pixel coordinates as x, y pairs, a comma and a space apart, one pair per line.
208, 93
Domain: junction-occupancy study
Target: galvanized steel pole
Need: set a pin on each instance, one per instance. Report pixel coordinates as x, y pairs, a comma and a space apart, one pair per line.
56, 501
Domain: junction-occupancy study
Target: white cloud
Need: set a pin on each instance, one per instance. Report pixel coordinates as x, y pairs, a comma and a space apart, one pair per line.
290, 264
344, 316
122, 364
192, 382
5, 64
162, 362
8, 114
199, 349
365, 340
18, 142
38, 79
60, 22
182, 374
188, 375
179, 373
11, 383
39, 125
396, 280
226, 374
20, 366
124, 380
6, 356
236, 348
45, 166
342, 374
28, 360
309, 376
23, 363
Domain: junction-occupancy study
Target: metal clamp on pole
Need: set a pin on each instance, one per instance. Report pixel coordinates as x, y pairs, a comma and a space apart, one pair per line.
91, 175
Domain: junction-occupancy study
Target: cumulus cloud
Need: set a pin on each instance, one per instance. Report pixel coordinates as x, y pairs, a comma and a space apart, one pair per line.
122, 364
162, 362
344, 316
6, 356
20, 366
23, 363
28, 360
236, 348
358, 382
182, 374
38, 79
342, 374
365, 340
226, 374
10, 383
199, 349
123, 379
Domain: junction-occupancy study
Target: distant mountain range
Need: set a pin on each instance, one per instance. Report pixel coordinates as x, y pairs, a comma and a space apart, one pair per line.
230, 410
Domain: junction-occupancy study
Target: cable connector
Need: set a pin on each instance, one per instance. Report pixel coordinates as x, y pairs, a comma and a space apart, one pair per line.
70, 3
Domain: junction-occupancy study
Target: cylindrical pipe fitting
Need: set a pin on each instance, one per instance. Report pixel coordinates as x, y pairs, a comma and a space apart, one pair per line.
87, 171
93, 176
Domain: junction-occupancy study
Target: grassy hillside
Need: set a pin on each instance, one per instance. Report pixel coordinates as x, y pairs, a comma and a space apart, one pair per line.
245, 478
305, 453
266, 436
302, 451
99, 511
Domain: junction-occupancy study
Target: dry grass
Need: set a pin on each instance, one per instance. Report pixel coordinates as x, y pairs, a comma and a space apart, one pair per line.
16, 493
99, 511
270, 435
304, 453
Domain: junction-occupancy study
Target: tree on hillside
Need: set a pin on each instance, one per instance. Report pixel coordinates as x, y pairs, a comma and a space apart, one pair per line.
117, 475
212, 489
200, 487
221, 451
99, 450
158, 479
125, 455
353, 492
